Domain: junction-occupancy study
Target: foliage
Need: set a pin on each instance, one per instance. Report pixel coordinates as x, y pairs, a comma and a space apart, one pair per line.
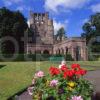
13, 24
68, 57
95, 47
93, 56
61, 84
38, 57
99, 59
92, 33
21, 57
56, 57
92, 27
61, 33
15, 76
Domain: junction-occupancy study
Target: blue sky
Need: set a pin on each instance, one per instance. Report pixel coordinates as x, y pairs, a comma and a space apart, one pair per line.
71, 14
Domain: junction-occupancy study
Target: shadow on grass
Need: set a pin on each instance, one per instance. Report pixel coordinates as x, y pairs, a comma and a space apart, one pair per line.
1, 66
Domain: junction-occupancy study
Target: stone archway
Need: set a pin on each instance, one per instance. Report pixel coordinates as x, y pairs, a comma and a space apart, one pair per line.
78, 55
37, 52
66, 50
62, 51
45, 52
58, 51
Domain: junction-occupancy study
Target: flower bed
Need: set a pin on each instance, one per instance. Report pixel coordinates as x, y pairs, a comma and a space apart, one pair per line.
61, 84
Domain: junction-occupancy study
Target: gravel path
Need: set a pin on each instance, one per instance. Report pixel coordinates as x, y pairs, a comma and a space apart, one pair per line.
25, 96
93, 76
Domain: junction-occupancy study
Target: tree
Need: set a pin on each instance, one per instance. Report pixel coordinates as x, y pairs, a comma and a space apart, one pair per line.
95, 22
13, 24
92, 27
92, 30
88, 31
61, 33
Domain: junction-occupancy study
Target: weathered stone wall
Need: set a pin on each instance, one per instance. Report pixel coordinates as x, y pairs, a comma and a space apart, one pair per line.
40, 49
43, 33
72, 46
42, 27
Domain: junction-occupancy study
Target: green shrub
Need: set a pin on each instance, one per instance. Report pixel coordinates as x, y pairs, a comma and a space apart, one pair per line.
37, 57
99, 59
94, 56
26, 57
68, 57
57, 57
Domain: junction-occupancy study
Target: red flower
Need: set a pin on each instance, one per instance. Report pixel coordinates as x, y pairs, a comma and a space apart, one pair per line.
77, 73
54, 71
69, 73
80, 72
75, 66
64, 68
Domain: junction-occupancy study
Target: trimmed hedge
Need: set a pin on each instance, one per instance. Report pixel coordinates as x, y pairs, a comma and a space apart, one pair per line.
94, 57
36, 57
57, 57
26, 57
68, 57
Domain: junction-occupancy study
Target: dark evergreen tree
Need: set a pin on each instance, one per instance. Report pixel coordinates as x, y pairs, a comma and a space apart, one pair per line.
13, 24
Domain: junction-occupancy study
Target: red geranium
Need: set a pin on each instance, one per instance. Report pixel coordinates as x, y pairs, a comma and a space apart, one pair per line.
75, 66
69, 73
64, 68
80, 72
54, 71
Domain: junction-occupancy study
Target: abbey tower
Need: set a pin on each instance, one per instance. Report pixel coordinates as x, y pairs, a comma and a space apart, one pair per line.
42, 27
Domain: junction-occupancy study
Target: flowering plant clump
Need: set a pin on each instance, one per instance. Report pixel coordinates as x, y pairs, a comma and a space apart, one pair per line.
61, 84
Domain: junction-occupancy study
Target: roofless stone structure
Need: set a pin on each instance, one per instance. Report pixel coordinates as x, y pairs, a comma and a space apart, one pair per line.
44, 42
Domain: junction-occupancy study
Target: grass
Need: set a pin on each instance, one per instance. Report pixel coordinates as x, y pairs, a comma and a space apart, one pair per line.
15, 76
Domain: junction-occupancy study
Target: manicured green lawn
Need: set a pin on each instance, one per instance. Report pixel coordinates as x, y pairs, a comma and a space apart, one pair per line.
15, 76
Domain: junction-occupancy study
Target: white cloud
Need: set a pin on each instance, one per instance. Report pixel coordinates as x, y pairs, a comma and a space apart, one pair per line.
85, 20
11, 2
58, 25
20, 8
95, 8
28, 22
55, 5
23, 8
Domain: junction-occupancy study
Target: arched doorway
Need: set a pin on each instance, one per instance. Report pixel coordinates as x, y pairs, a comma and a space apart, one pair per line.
45, 52
62, 51
58, 51
78, 55
66, 50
